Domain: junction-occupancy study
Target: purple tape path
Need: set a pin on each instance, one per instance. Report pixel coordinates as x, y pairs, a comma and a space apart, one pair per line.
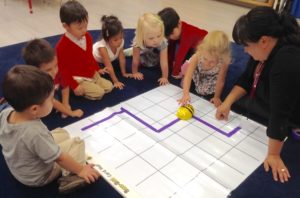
162, 128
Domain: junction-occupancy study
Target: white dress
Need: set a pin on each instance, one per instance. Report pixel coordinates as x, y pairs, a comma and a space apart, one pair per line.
103, 43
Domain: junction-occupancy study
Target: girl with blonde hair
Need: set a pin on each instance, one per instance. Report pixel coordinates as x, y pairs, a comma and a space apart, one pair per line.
207, 68
150, 47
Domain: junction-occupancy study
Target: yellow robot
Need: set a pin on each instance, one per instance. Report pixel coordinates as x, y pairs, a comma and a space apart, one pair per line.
185, 112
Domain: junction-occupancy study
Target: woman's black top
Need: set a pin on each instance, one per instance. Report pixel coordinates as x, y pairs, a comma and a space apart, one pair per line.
278, 88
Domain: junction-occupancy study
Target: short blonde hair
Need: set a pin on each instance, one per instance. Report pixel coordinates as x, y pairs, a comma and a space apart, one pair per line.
217, 44
146, 23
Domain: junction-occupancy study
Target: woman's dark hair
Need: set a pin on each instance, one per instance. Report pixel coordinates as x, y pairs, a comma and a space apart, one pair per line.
72, 11
24, 86
111, 26
264, 21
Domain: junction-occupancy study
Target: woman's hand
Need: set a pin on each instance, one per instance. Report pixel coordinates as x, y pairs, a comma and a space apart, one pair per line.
216, 101
279, 170
222, 112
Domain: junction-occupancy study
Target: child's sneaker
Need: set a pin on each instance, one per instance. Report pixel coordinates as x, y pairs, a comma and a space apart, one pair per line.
70, 183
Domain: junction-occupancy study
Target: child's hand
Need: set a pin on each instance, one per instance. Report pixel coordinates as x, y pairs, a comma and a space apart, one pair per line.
89, 174
77, 113
103, 71
79, 91
138, 76
279, 170
216, 101
186, 99
127, 75
119, 85
163, 81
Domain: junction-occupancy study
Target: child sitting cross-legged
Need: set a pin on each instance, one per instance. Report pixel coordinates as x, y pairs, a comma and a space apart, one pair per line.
34, 156
39, 53
79, 70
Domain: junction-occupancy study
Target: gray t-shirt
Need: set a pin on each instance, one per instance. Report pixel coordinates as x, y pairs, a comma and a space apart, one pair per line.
28, 148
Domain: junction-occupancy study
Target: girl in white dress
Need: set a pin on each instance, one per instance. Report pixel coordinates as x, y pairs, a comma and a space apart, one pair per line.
110, 48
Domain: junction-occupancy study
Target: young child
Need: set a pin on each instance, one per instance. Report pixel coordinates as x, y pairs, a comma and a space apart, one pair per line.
183, 39
150, 47
28, 147
208, 68
110, 47
39, 53
76, 63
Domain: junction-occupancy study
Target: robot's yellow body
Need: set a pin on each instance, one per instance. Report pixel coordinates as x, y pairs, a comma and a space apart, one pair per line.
185, 112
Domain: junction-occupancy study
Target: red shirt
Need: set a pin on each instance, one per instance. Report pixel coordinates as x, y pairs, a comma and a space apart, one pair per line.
189, 40
74, 61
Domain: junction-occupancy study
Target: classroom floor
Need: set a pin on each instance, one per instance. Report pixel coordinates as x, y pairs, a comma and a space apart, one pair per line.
18, 25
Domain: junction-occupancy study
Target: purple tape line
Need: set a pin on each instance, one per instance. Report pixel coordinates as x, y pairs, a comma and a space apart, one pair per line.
217, 129
103, 120
162, 128
148, 125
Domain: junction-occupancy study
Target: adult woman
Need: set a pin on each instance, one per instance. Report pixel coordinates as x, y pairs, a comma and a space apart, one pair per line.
271, 81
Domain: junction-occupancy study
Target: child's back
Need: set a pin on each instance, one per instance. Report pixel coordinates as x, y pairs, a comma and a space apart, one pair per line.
27, 149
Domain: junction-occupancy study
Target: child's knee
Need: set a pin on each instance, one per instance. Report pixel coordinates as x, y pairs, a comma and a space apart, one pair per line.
108, 86
59, 135
96, 94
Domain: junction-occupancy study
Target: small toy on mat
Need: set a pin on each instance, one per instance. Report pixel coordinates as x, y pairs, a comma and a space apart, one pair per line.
185, 112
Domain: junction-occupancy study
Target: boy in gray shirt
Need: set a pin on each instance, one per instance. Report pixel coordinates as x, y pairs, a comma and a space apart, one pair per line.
29, 149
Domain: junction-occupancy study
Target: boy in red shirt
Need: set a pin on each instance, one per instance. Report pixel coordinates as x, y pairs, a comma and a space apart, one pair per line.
180, 33
78, 68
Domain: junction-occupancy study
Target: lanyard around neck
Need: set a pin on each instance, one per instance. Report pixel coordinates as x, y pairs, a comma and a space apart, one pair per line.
256, 76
